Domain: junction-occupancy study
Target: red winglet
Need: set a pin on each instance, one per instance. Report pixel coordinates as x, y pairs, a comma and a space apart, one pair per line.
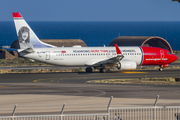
16, 15
117, 49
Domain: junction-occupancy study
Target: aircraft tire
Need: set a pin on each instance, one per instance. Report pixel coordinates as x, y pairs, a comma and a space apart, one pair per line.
102, 70
160, 69
89, 70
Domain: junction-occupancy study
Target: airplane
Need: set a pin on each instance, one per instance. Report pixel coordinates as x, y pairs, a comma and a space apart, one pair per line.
124, 58
176, 0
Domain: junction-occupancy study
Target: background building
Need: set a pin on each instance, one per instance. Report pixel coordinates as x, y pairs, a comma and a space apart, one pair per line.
150, 41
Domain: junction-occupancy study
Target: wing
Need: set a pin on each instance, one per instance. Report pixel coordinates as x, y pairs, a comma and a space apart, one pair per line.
106, 61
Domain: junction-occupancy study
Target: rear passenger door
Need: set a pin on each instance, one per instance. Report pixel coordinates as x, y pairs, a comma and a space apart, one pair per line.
47, 55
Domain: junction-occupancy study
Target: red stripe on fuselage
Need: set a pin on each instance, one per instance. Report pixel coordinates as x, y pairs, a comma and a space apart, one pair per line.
156, 56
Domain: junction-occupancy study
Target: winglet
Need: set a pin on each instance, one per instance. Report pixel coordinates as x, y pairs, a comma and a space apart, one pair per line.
16, 15
117, 50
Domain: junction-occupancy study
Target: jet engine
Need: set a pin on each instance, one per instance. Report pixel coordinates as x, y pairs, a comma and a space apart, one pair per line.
127, 65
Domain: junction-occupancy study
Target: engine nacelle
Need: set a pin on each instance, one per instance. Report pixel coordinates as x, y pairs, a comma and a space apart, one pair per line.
127, 65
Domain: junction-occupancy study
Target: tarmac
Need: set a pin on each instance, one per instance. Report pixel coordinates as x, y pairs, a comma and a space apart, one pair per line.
45, 93
83, 77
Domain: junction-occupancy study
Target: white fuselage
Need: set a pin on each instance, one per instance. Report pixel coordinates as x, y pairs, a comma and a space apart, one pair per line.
124, 58
82, 56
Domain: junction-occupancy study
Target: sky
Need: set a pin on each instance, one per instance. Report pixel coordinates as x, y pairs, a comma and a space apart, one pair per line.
91, 10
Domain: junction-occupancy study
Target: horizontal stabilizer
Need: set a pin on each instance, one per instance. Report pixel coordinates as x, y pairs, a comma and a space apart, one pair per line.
28, 50
11, 49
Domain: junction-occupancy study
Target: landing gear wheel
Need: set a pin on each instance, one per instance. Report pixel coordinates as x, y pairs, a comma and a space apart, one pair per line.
102, 70
89, 69
160, 69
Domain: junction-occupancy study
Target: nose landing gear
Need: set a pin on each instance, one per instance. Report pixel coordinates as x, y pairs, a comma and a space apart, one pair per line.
160, 69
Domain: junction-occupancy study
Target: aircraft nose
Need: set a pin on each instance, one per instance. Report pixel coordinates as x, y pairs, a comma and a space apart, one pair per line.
174, 57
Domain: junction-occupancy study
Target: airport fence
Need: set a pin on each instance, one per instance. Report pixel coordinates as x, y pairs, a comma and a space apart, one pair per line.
59, 117
145, 113
113, 113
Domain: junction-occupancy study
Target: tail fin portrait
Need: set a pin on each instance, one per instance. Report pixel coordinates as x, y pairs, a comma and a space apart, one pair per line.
26, 37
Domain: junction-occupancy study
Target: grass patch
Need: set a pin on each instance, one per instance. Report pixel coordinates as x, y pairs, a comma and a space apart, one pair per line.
21, 62
155, 81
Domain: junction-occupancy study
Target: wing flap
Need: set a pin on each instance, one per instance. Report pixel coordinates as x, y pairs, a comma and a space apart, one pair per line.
93, 62
112, 60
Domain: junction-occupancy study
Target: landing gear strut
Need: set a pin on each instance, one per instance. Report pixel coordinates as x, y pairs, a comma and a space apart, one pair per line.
160, 68
89, 69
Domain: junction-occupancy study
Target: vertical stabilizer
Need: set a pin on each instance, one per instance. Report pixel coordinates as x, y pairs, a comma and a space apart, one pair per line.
26, 37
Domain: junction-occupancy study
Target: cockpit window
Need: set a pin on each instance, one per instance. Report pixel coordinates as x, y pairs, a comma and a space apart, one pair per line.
168, 53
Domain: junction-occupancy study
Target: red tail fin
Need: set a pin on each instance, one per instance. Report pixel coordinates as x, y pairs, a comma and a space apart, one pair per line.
16, 15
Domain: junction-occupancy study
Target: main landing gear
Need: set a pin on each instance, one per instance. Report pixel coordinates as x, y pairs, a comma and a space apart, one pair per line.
102, 70
89, 69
